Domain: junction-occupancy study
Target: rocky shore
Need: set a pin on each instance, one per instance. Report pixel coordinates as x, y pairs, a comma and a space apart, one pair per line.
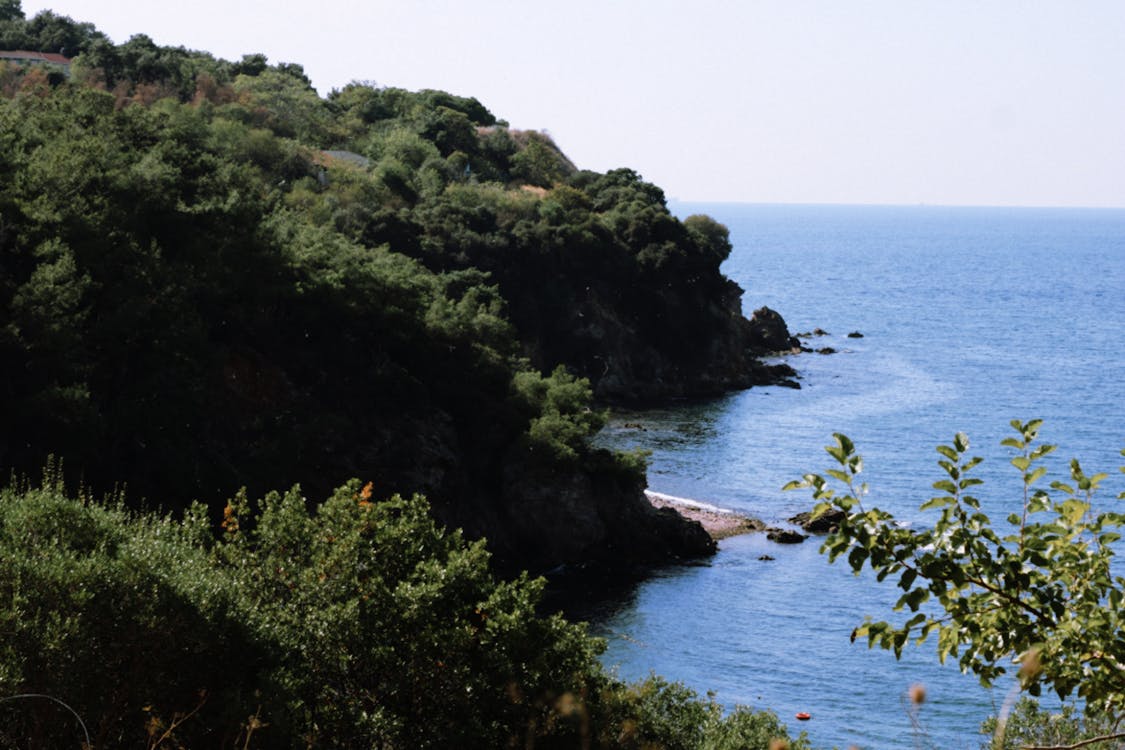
721, 523
718, 522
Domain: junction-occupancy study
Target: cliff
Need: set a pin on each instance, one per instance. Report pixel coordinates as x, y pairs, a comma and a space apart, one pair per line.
196, 295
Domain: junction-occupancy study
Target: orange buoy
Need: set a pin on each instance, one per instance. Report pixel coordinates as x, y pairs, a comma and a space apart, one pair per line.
802, 716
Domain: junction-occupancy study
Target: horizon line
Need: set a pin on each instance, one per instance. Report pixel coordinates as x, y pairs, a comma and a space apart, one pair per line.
836, 204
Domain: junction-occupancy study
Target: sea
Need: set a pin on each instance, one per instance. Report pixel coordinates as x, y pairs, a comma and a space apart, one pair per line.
970, 318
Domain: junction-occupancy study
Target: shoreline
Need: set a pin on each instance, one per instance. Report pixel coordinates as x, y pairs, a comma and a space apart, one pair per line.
720, 523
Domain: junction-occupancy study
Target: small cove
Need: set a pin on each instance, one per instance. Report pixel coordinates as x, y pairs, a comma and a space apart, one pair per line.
970, 317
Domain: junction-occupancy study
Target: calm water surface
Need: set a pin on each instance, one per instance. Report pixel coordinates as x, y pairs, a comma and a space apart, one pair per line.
971, 317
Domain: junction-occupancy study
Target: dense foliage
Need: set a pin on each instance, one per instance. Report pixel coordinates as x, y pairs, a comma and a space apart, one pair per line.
1037, 590
361, 623
211, 277
1028, 725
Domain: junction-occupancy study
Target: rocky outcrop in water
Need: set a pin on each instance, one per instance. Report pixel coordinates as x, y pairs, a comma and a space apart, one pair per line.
769, 333
825, 523
785, 536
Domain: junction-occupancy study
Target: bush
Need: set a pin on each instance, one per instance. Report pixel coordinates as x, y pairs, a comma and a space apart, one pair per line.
655, 713
354, 624
1028, 725
121, 617
358, 624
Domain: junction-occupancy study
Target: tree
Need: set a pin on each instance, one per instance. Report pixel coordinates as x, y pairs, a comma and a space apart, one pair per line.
10, 10
50, 32
291, 105
1038, 592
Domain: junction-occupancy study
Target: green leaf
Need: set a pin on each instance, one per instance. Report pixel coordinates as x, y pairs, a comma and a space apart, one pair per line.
907, 580
938, 502
857, 557
915, 598
1073, 510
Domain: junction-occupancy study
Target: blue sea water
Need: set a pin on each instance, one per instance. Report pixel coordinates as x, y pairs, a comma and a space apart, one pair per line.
971, 317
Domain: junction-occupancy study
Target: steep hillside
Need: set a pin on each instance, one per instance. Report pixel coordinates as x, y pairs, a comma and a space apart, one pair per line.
210, 277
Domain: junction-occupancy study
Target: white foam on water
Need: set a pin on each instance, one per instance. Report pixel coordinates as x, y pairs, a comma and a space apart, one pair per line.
685, 501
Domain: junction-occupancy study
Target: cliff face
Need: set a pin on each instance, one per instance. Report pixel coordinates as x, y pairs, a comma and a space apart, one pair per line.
629, 369
543, 519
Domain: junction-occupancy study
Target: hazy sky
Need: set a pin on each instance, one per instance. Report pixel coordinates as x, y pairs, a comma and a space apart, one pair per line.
986, 102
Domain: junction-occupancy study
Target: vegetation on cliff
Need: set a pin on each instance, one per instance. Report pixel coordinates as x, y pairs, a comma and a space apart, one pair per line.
211, 277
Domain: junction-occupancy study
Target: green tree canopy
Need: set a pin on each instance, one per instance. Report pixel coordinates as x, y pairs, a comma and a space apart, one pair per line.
11, 10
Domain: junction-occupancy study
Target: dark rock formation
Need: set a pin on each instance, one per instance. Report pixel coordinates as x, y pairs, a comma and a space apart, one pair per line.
785, 536
855, 335
625, 366
826, 350
600, 516
769, 332
825, 523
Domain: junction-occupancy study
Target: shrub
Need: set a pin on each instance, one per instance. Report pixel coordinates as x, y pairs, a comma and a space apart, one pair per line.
354, 624
1028, 725
121, 617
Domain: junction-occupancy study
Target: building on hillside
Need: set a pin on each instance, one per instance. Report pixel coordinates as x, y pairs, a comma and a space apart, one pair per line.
51, 60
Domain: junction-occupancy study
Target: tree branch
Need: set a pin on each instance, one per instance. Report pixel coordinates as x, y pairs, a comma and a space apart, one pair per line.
1083, 743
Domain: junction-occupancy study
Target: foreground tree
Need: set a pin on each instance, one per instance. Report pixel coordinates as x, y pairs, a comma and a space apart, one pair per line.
1038, 592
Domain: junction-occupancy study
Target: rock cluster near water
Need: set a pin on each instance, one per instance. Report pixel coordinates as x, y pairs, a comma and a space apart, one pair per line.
816, 333
721, 524
785, 536
825, 523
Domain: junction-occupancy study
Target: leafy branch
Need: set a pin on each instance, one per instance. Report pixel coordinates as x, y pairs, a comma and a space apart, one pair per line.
1040, 585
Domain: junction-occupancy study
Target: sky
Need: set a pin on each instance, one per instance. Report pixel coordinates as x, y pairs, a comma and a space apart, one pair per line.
951, 102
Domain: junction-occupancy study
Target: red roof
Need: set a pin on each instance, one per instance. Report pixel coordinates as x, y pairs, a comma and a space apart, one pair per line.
21, 54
